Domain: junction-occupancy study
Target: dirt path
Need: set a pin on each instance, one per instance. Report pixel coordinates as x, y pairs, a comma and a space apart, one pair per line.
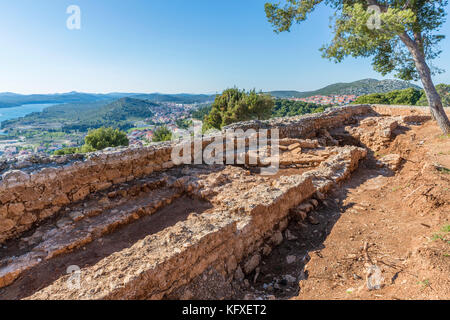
387, 230
391, 228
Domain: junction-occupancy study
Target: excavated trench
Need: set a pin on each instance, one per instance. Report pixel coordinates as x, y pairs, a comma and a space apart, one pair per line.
280, 272
199, 232
106, 223
86, 232
48, 271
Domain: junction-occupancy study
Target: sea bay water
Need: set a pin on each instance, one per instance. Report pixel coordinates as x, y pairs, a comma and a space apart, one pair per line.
21, 111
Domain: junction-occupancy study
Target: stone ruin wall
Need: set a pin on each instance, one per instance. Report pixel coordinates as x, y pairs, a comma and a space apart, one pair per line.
229, 241
32, 192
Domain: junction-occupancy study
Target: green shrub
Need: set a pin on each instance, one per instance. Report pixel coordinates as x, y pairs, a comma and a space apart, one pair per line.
410, 97
235, 105
62, 152
87, 148
102, 138
162, 134
374, 98
444, 92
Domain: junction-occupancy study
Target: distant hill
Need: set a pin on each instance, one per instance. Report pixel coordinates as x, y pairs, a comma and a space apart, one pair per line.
82, 116
360, 87
118, 110
9, 99
408, 96
177, 98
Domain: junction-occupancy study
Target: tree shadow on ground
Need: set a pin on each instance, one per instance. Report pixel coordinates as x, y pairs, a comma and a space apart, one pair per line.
308, 237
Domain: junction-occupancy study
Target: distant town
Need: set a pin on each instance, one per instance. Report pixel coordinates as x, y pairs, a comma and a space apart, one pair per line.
67, 119
165, 114
326, 100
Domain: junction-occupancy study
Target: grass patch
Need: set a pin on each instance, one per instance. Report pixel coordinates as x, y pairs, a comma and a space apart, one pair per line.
437, 236
400, 187
442, 169
442, 235
139, 128
425, 283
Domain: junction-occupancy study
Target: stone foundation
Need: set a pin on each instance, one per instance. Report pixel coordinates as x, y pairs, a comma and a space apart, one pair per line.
93, 196
225, 240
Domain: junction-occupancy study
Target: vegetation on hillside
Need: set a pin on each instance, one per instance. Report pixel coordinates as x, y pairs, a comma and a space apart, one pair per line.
401, 36
235, 105
98, 139
403, 97
65, 151
13, 100
201, 112
9, 99
184, 123
360, 87
290, 108
102, 138
409, 97
162, 134
82, 117
181, 98
444, 92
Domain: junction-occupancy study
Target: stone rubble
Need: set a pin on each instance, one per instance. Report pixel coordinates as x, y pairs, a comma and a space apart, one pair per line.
91, 196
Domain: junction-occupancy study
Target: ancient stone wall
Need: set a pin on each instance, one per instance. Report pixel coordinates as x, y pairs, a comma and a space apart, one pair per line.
230, 241
33, 194
246, 217
35, 189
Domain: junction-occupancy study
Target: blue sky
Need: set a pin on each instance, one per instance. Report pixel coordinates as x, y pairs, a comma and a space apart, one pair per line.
196, 46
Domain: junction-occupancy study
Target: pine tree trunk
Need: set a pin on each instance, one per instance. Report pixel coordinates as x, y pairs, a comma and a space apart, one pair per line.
434, 100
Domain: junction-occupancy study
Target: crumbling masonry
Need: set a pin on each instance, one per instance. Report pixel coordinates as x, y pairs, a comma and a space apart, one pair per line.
52, 208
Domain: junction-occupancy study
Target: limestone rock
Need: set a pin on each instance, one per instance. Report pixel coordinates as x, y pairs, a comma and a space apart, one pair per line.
291, 259
15, 176
293, 146
27, 219
290, 236
392, 161
238, 274
277, 238
6, 225
252, 263
290, 279
16, 209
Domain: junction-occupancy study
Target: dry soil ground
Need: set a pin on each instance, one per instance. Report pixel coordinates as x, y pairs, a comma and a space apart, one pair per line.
391, 228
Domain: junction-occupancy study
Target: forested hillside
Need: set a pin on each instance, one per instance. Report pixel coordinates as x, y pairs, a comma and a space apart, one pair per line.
360, 87
84, 116
406, 97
